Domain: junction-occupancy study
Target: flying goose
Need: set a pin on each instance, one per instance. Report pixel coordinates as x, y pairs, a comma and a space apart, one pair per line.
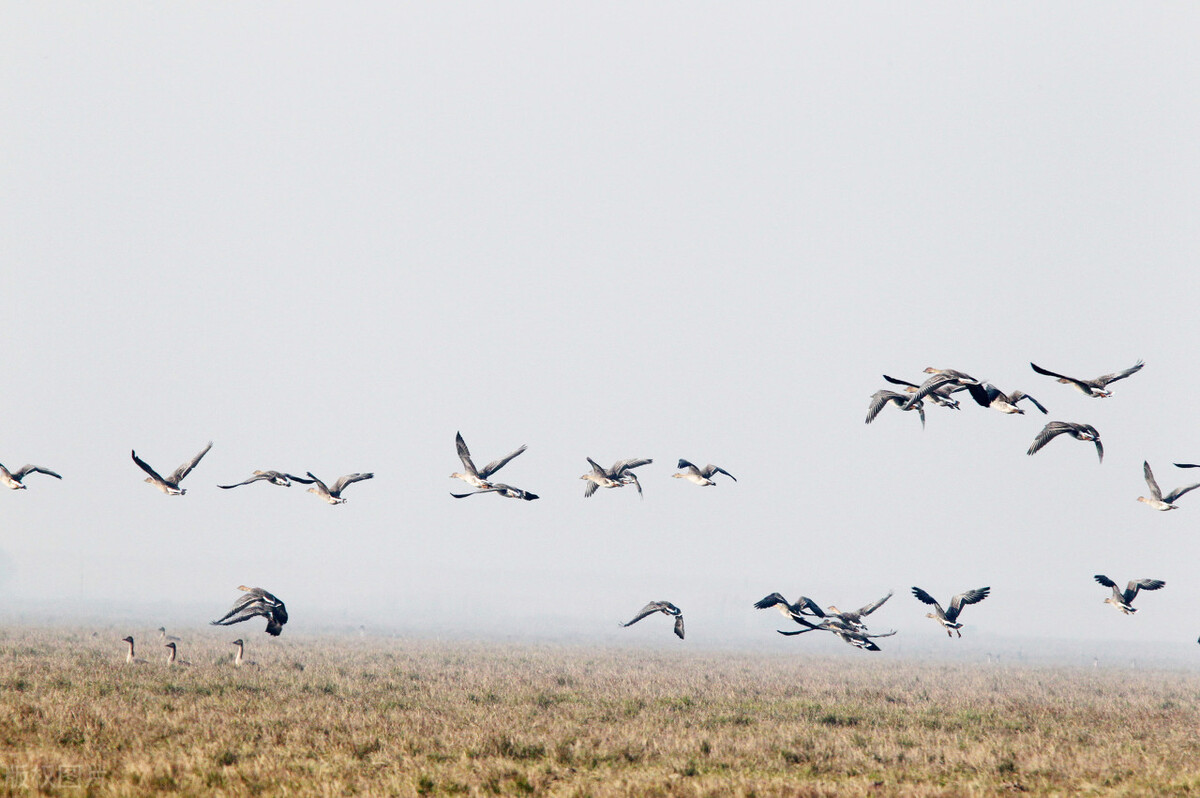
803, 606
129, 656
1157, 500
939, 396
170, 485
880, 400
989, 395
1080, 432
700, 476
1093, 388
618, 476
172, 658
942, 378
274, 477
508, 491
239, 660
477, 477
256, 602
1122, 601
666, 608
949, 618
12, 479
854, 618
334, 495
859, 638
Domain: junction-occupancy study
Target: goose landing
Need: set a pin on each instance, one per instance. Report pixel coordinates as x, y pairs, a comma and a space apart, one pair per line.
948, 618
1123, 601
256, 603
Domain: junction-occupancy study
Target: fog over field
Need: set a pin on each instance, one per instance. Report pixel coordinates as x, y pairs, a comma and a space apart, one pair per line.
329, 237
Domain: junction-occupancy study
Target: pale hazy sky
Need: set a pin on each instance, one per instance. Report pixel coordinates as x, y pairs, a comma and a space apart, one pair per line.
329, 236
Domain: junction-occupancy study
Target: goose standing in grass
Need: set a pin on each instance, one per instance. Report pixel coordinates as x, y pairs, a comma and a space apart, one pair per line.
1157, 500
942, 378
173, 657
1080, 432
170, 485
1093, 388
256, 603
478, 477
274, 477
1123, 600
881, 399
239, 660
700, 476
129, 655
166, 638
948, 618
942, 397
620, 475
12, 479
666, 608
507, 491
988, 395
334, 495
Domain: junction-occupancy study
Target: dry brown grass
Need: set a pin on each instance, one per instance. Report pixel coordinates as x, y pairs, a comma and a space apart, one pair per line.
393, 717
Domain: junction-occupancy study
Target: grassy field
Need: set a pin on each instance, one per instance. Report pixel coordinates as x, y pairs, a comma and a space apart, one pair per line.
368, 716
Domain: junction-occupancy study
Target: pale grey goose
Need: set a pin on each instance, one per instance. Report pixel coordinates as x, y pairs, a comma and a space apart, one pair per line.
478, 477
333, 495
666, 608
256, 603
508, 491
942, 397
948, 618
881, 399
942, 378
279, 478
1080, 432
619, 475
700, 476
1156, 499
1093, 388
12, 479
170, 485
1123, 600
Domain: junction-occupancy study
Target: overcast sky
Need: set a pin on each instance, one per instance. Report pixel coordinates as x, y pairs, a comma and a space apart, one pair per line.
327, 237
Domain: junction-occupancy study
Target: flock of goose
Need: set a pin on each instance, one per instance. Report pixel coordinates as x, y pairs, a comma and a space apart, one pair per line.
939, 389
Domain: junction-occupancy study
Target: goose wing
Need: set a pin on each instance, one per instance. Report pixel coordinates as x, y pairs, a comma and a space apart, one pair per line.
321, 486
649, 609
1083, 386
929, 386
301, 480
142, 464
711, 469
257, 476
879, 400
983, 394
496, 465
187, 467
895, 381
1151, 482
33, 469
349, 479
1135, 585
1018, 395
624, 467
589, 489
1187, 465
1120, 375
924, 597
1175, 494
689, 465
767, 602
1049, 432
874, 605
1104, 580
464, 454
963, 599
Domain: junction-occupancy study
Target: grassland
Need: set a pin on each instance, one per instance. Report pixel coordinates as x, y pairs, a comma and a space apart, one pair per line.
325, 716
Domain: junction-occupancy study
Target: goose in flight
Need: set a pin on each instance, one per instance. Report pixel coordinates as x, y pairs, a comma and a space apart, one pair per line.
700, 476
1122, 601
274, 477
477, 477
942, 397
803, 606
1093, 388
880, 400
854, 618
170, 485
988, 395
948, 618
859, 638
942, 378
1157, 500
666, 608
129, 655
334, 495
508, 491
12, 479
173, 658
1080, 432
257, 602
620, 475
